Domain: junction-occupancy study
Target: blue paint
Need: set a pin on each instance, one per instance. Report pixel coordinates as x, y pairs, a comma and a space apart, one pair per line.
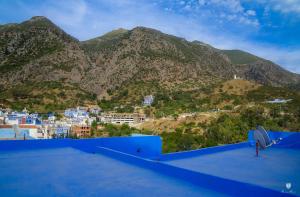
144, 146
272, 169
70, 172
225, 186
134, 166
203, 151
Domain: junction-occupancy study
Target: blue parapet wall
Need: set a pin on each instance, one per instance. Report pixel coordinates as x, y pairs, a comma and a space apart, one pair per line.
143, 146
203, 151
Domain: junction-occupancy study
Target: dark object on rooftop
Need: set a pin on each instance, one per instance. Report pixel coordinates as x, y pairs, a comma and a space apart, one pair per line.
261, 136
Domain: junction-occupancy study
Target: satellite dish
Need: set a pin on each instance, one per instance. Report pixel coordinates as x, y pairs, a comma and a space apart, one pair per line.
265, 135
258, 137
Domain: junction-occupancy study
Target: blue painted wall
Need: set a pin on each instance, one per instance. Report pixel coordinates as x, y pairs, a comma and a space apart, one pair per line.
203, 151
143, 146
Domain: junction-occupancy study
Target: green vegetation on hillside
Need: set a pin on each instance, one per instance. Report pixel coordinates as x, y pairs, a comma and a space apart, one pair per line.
31, 40
226, 129
240, 57
45, 97
242, 113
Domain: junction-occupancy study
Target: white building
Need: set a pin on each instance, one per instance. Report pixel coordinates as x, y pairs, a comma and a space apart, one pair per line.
278, 101
122, 118
148, 100
236, 77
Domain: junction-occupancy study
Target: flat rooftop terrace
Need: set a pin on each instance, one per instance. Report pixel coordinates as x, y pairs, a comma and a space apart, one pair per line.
273, 168
71, 172
135, 166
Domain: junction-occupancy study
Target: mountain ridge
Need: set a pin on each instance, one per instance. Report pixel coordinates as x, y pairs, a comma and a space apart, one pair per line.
38, 50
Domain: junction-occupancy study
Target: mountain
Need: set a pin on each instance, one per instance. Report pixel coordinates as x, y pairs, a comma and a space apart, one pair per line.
37, 51
41, 67
144, 54
260, 70
240, 57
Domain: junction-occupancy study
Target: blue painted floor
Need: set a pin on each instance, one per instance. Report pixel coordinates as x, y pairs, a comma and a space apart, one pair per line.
70, 172
272, 169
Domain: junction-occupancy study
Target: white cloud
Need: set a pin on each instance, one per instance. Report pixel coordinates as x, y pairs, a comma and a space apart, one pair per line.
233, 6
182, 2
67, 12
251, 13
202, 2
232, 10
282, 6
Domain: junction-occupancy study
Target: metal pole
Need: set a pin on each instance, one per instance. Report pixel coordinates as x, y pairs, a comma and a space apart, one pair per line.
256, 148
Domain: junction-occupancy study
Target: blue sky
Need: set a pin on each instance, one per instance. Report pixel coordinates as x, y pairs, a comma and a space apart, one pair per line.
267, 28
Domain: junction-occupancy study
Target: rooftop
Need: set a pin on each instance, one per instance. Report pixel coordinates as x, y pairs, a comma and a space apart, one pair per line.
135, 166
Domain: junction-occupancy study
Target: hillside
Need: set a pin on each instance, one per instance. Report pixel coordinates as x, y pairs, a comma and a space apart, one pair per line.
123, 65
240, 57
122, 57
45, 96
37, 50
237, 87
254, 68
144, 54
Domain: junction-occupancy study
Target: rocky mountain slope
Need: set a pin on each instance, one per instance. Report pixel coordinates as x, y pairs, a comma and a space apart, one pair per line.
254, 68
144, 54
37, 50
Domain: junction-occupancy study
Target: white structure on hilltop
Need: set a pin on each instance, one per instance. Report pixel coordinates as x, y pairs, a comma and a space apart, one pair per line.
236, 77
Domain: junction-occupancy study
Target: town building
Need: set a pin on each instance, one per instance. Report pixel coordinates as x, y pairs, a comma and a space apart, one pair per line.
13, 132
122, 118
76, 112
278, 101
19, 125
236, 77
148, 100
2, 117
16, 118
81, 131
95, 110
